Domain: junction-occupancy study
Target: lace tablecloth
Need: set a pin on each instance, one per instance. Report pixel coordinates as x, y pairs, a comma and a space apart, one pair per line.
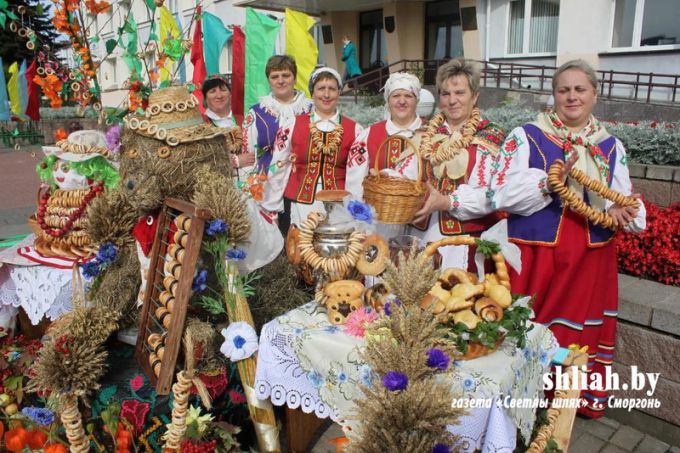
305, 362
40, 290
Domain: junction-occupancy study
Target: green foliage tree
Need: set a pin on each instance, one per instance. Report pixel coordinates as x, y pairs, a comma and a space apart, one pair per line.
37, 17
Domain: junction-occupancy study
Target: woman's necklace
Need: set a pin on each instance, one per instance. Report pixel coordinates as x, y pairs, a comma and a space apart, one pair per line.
331, 144
448, 148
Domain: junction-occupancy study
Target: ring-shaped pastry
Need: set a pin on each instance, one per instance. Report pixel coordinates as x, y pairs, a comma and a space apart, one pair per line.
373, 255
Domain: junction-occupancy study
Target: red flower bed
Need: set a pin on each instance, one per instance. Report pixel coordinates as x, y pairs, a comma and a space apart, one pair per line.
654, 253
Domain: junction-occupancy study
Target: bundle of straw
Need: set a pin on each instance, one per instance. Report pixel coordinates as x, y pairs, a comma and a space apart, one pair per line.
261, 412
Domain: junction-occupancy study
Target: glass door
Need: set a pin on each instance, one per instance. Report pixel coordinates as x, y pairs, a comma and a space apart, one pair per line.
443, 35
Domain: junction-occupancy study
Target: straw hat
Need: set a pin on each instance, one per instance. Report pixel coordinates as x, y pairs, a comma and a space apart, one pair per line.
173, 117
80, 146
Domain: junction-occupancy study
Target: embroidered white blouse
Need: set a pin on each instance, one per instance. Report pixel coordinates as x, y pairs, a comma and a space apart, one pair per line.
221, 121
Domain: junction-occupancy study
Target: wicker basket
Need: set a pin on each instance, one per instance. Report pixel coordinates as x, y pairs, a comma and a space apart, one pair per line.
474, 349
395, 199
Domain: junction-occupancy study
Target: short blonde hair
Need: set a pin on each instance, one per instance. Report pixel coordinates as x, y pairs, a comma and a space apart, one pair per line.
460, 66
579, 65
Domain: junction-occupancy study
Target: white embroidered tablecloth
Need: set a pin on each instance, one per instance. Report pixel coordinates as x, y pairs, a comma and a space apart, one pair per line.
305, 362
42, 286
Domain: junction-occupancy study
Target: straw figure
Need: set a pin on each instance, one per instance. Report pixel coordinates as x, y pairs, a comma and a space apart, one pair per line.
167, 152
73, 173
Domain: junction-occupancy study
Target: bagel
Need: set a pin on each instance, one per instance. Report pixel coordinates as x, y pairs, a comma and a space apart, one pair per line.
373, 256
292, 245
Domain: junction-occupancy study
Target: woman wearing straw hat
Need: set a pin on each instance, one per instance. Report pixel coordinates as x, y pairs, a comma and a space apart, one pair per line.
458, 149
568, 261
282, 104
311, 154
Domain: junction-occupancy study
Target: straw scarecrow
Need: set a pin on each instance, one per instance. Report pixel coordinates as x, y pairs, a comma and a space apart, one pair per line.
169, 152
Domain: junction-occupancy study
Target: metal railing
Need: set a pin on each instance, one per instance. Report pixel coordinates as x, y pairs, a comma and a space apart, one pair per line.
637, 86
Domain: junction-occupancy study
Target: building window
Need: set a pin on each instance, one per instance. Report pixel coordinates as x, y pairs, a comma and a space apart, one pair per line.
373, 51
532, 26
444, 35
318, 39
640, 23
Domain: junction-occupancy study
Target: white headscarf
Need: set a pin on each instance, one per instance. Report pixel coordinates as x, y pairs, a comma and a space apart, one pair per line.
317, 71
402, 81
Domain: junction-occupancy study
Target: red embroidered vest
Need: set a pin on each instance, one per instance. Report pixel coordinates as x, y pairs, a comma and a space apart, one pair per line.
310, 164
449, 225
389, 153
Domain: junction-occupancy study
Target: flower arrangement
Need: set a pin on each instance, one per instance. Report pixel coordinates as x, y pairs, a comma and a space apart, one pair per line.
105, 256
404, 354
654, 253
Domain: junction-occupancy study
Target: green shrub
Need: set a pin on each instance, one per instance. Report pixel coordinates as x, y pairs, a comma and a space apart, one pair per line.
48, 113
649, 142
645, 142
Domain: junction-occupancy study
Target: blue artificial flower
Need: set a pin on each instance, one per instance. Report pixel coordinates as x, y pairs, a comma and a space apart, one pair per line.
107, 253
394, 381
91, 269
199, 281
239, 341
14, 355
215, 226
441, 448
39, 415
236, 254
387, 308
360, 211
436, 358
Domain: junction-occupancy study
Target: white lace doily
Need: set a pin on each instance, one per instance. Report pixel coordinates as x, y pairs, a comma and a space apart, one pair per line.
39, 290
280, 377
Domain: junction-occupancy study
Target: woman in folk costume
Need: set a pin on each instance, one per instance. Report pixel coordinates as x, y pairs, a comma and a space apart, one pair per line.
457, 148
282, 104
312, 154
387, 140
217, 98
568, 262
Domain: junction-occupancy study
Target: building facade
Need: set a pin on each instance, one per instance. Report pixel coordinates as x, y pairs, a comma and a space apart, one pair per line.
636, 36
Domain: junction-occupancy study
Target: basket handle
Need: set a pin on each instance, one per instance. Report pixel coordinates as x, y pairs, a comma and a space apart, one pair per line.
409, 143
498, 259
